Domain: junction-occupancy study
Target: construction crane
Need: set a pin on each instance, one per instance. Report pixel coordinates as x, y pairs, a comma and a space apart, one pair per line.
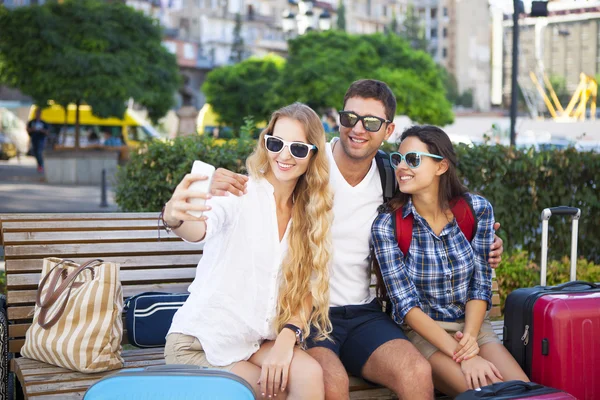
587, 90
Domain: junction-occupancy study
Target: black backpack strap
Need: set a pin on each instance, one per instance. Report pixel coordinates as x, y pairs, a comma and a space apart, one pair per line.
386, 174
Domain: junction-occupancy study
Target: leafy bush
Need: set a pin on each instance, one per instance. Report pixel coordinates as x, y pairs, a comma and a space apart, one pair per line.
518, 183
521, 183
518, 271
151, 175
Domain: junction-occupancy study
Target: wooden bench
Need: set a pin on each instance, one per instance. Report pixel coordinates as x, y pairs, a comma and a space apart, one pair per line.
147, 264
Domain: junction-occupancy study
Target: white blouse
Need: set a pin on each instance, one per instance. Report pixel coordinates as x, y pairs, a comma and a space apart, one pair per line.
233, 299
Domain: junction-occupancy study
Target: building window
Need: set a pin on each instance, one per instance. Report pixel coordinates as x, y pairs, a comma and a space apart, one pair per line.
445, 11
444, 52
384, 11
433, 13
433, 33
445, 32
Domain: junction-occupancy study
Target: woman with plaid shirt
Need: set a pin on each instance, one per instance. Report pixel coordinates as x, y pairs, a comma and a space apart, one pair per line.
441, 290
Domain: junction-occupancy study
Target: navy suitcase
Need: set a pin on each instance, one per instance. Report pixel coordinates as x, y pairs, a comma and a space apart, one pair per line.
513, 390
171, 382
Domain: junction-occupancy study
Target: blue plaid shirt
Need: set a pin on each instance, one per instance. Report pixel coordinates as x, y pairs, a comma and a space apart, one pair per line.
441, 273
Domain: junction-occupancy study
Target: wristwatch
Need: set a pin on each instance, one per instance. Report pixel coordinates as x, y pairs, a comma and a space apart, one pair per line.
297, 331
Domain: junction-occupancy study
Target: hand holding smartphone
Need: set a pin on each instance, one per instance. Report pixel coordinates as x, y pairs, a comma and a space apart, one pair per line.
203, 186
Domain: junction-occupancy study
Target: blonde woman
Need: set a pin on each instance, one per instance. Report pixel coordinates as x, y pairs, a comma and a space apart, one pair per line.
263, 278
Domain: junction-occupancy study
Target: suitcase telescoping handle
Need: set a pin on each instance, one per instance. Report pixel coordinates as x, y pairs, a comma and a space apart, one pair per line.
546, 214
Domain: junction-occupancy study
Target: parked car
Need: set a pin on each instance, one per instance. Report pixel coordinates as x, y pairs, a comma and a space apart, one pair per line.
13, 135
7, 148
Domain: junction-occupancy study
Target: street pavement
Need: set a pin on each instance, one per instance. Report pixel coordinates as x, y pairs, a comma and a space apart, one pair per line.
24, 190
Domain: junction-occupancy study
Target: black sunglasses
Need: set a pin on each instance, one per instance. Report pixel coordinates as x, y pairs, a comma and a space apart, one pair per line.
370, 122
299, 150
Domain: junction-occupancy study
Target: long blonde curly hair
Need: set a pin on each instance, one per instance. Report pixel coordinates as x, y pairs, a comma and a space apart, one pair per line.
305, 269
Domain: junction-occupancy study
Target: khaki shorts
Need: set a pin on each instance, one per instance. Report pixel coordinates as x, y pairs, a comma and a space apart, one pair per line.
185, 349
486, 335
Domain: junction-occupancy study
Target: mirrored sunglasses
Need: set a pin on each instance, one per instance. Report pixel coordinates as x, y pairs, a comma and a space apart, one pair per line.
297, 149
370, 122
412, 158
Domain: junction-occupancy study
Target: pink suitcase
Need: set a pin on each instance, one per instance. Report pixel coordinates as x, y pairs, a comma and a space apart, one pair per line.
554, 332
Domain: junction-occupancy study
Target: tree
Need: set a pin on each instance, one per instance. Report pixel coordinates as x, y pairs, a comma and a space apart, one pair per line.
341, 16
237, 48
393, 27
412, 29
450, 85
414, 99
87, 52
243, 89
321, 66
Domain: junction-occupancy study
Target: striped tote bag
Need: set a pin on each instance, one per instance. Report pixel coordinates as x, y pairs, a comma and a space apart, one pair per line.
77, 321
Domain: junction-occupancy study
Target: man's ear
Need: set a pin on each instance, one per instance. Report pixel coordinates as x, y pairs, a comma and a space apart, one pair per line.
442, 167
389, 130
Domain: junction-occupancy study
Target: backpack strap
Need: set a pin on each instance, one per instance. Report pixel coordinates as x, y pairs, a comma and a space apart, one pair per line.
403, 229
463, 213
386, 174
465, 216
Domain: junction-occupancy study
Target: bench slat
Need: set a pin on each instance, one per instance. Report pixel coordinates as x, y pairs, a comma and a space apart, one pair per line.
16, 297
137, 262
81, 216
103, 250
75, 225
162, 275
21, 238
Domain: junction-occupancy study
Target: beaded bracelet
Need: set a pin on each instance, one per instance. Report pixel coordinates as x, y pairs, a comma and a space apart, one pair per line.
168, 227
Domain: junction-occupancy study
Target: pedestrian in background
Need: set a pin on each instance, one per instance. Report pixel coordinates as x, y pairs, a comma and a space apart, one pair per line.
38, 132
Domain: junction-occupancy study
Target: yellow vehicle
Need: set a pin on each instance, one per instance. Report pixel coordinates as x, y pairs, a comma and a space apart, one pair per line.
132, 129
207, 123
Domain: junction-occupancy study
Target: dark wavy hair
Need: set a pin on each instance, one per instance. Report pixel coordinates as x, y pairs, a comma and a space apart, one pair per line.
451, 187
437, 142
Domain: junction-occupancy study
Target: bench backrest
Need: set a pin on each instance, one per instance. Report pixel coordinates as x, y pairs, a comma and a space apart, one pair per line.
130, 239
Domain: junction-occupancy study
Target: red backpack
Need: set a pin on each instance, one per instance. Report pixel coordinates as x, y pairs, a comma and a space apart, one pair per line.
463, 213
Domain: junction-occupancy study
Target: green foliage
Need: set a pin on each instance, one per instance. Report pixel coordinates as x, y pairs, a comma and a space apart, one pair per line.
415, 99
521, 183
242, 89
321, 66
86, 51
326, 63
465, 99
147, 181
248, 130
238, 50
518, 271
518, 183
412, 29
341, 16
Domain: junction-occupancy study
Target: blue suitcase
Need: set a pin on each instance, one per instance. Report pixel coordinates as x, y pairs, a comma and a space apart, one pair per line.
176, 382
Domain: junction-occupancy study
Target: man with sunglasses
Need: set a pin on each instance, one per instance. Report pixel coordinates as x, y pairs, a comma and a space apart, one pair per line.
367, 342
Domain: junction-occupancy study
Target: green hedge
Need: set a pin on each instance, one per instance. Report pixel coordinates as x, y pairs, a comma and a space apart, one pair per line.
518, 183
521, 183
147, 181
518, 271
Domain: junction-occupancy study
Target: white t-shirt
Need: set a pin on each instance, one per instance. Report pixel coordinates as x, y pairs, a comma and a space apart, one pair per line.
232, 303
354, 210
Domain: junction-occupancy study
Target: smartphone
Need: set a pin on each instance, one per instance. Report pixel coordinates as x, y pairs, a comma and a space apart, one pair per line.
201, 168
